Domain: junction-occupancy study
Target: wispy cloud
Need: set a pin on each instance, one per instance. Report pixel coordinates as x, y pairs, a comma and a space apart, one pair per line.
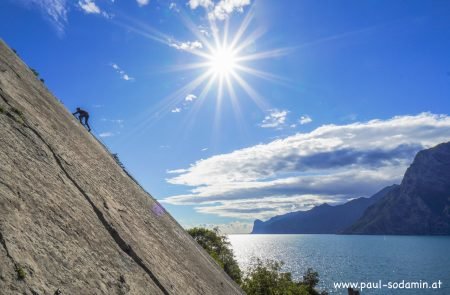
55, 11
90, 7
190, 97
121, 72
142, 2
119, 122
106, 134
221, 9
305, 119
173, 6
332, 163
176, 110
275, 119
186, 46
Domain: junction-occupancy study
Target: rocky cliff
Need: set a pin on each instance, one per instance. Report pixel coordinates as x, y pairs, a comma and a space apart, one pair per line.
71, 218
323, 219
420, 205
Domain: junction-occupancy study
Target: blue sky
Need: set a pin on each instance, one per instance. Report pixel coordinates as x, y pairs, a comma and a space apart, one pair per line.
338, 96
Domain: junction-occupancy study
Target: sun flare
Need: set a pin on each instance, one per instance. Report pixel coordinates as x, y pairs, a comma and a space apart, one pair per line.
223, 61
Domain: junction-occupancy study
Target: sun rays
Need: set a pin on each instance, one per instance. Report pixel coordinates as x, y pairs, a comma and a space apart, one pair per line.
225, 60
220, 64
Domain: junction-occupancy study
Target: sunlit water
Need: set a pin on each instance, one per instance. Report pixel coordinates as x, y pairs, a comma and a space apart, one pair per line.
340, 258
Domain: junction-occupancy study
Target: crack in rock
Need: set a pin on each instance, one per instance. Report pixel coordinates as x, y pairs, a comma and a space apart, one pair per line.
123, 245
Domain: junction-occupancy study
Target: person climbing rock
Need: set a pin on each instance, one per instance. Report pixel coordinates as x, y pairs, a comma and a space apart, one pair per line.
82, 114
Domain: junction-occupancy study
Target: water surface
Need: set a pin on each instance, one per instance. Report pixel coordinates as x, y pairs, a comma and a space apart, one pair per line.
341, 258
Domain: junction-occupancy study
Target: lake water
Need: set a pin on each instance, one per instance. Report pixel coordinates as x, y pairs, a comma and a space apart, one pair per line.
340, 258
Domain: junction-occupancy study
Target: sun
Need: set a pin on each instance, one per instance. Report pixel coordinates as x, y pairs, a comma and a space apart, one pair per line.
223, 61
223, 64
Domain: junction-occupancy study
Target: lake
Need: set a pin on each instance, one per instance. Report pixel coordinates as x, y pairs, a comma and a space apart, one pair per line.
341, 258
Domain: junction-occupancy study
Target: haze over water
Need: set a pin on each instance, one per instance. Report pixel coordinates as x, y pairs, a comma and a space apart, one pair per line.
340, 258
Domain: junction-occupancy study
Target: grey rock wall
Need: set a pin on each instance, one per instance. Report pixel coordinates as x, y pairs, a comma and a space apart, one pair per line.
71, 218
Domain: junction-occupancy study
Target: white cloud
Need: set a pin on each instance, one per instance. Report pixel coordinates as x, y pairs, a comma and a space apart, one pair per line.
332, 163
193, 4
204, 149
106, 134
187, 46
89, 6
275, 119
305, 119
224, 8
176, 110
55, 11
220, 10
142, 2
190, 97
121, 72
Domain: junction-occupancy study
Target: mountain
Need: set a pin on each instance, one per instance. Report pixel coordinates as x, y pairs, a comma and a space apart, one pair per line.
420, 205
71, 218
323, 219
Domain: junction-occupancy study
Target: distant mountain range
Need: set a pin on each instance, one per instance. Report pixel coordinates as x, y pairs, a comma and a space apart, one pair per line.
419, 205
323, 219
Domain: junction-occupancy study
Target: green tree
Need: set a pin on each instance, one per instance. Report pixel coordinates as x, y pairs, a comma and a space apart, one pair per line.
219, 248
263, 278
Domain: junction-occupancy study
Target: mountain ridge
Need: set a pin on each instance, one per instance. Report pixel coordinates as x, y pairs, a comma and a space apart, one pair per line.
321, 219
420, 205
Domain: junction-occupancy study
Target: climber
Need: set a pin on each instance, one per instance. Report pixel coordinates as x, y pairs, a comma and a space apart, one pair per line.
82, 114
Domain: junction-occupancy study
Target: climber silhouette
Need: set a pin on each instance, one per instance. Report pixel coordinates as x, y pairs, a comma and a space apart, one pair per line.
82, 114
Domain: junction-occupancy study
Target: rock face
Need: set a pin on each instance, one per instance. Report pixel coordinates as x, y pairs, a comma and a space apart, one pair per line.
323, 219
71, 218
420, 205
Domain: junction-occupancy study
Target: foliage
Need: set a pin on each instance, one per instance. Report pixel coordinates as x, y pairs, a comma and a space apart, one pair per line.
21, 117
21, 274
267, 279
263, 278
218, 247
310, 279
36, 73
116, 157
2, 110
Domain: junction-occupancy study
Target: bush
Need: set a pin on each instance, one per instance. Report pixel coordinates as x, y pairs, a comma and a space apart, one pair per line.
263, 278
267, 279
218, 247
36, 73
21, 274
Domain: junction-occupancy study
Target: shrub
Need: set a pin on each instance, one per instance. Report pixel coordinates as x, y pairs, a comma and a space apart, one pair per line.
267, 279
263, 278
21, 274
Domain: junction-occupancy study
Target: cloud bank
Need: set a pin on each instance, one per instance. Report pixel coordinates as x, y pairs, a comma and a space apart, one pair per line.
332, 163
